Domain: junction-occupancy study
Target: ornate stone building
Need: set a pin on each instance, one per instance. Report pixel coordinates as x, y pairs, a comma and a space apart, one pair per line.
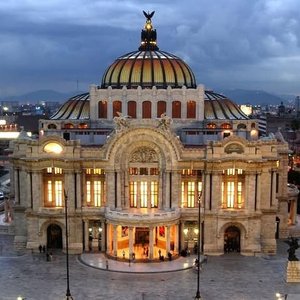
137, 155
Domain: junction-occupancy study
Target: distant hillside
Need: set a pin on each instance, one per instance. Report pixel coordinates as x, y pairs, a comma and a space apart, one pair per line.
42, 95
252, 97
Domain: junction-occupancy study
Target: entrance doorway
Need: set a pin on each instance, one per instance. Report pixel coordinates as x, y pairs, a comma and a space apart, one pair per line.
54, 237
232, 239
142, 235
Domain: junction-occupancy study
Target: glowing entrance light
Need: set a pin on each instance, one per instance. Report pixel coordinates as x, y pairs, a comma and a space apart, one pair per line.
53, 148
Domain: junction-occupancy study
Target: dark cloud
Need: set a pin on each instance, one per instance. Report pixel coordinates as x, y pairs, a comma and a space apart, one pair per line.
228, 43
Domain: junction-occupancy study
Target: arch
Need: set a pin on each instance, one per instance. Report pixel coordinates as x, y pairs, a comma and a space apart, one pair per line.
54, 236
102, 110
68, 126
161, 108
176, 109
232, 239
131, 109
191, 110
52, 126
146, 110
226, 126
241, 126
117, 108
83, 125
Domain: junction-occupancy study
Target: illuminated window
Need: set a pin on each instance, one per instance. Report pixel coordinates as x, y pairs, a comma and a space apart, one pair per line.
191, 194
133, 193
144, 194
53, 187
191, 110
95, 187
154, 194
233, 188
191, 186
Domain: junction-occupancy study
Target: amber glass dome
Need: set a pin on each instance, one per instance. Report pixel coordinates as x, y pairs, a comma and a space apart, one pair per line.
148, 66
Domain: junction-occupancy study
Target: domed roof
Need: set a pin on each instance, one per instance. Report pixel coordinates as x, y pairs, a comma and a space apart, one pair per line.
76, 108
216, 107
148, 67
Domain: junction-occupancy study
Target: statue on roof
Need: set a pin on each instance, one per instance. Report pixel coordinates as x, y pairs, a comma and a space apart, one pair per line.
148, 15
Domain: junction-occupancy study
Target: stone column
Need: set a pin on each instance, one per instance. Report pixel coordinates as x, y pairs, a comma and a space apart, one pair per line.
108, 239
167, 190
182, 236
86, 235
167, 228
103, 236
160, 190
110, 188
79, 189
115, 240
151, 242
176, 238
130, 236
119, 194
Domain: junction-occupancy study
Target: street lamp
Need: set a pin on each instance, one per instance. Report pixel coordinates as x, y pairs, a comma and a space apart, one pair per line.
198, 296
68, 293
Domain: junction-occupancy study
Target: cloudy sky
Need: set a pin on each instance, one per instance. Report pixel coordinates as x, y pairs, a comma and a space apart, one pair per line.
65, 45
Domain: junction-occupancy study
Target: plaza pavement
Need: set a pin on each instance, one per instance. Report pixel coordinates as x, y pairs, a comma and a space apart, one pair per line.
231, 276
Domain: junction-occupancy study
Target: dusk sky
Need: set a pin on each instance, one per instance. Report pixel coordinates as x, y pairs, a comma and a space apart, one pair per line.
64, 44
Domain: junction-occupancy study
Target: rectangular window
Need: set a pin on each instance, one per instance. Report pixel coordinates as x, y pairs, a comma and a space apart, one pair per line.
183, 202
154, 171
58, 193
191, 194
97, 193
239, 194
88, 192
154, 194
230, 194
133, 171
49, 188
144, 193
133, 193
143, 171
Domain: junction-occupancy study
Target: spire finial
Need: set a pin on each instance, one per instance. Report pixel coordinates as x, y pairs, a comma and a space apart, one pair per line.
148, 35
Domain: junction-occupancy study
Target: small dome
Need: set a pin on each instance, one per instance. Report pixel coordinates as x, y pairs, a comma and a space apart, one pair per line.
219, 107
76, 108
148, 69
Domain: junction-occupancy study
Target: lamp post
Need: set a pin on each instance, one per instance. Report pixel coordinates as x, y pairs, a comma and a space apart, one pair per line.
68, 293
198, 296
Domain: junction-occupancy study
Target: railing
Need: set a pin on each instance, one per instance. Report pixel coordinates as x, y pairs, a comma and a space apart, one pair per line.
169, 215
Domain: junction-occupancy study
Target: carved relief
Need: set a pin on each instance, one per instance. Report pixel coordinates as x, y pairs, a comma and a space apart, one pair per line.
144, 155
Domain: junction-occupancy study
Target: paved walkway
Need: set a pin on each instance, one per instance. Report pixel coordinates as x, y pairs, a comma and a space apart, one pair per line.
99, 261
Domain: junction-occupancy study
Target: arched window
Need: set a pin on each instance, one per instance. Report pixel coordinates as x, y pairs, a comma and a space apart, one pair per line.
226, 126
146, 110
161, 108
131, 109
191, 110
241, 126
52, 126
68, 126
102, 110
83, 125
176, 109
117, 108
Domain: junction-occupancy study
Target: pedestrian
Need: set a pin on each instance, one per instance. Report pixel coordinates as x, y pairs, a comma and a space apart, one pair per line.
123, 254
147, 251
159, 253
48, 256
44, 249
106, 264
40, 248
